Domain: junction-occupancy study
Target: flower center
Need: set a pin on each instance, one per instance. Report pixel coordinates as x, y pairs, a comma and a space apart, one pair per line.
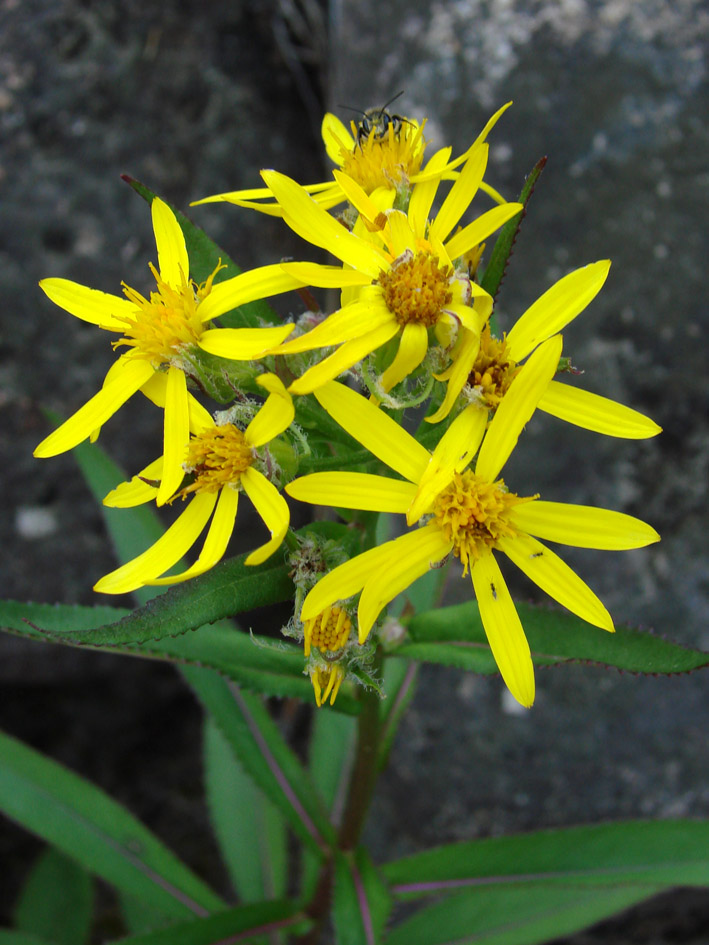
493, 371
473, 514
329, 631
385, 159
217, 456
168, 321
416, 288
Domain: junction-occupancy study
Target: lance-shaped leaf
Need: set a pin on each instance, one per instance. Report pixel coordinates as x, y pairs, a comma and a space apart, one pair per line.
243, 924
454, 636
87, 825
663, 853
518, 916
205, 256
250, 831
362, 902
502, 250
253, 662
56, 901
262, 751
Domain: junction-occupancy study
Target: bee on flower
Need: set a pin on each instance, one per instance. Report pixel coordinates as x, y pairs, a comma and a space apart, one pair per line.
221, 460
463, 508
162, 334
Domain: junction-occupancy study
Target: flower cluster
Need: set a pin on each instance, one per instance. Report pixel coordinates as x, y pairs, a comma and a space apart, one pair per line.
414, 325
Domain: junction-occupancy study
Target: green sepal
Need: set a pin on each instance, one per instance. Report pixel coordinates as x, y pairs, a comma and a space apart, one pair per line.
454, 636
204, 256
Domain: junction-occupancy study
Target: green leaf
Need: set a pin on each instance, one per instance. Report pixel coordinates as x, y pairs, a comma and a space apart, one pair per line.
400, 678
362, 902
668, 852
205, 255
57, 900
502, 250
250, 831
518, 916
262, 751
242, 924
455, 636
330, 757
87, 825
13, 937
138, 916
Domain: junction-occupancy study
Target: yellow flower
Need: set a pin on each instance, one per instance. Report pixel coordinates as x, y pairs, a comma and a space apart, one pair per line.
159, 332
464, 509
483, 371
328, 632
391, 161
221, 457
402, 272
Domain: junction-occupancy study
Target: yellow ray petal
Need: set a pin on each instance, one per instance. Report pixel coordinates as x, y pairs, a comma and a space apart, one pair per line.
176, 433
457, 445
376, 431
353, 490
413, 346
593, 412
272, 508
556, 578
483, 134
472, 318
260, 283
127, 495
96, 411
335, 135
167, 550
344, 358
357, 196
318, 227
457, 374
243, 344
582, 526
424, 192
479, 230
342, 582
356, 319
155, 390
274, 417
401, 235
326, 277
215, 544
90, 305
173, 262
516, 407
556, 308
503, 629
460, 194
409, 557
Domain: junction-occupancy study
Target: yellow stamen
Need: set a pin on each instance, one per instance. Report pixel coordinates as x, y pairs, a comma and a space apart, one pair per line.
218, 456
168, 321
329, 631
473, 514
416, 288
385, 160
493, 371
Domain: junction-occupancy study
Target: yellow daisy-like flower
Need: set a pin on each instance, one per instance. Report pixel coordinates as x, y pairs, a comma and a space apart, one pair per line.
328, 632
466, 510
483, 371
390, 160
402, 270
221, 458
158, 333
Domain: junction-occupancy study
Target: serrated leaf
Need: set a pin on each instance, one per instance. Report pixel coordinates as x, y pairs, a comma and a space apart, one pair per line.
56, 901
262, 751
517, 916
204, 255
87, 825
361, 902
243, 924
669, 852
454, 636
502, 250
250, 831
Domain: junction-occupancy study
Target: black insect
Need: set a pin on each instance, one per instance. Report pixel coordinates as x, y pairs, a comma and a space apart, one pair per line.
377, 121
494, 591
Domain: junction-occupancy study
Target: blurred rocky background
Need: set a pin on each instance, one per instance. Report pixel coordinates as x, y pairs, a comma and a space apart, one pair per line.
193, 99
